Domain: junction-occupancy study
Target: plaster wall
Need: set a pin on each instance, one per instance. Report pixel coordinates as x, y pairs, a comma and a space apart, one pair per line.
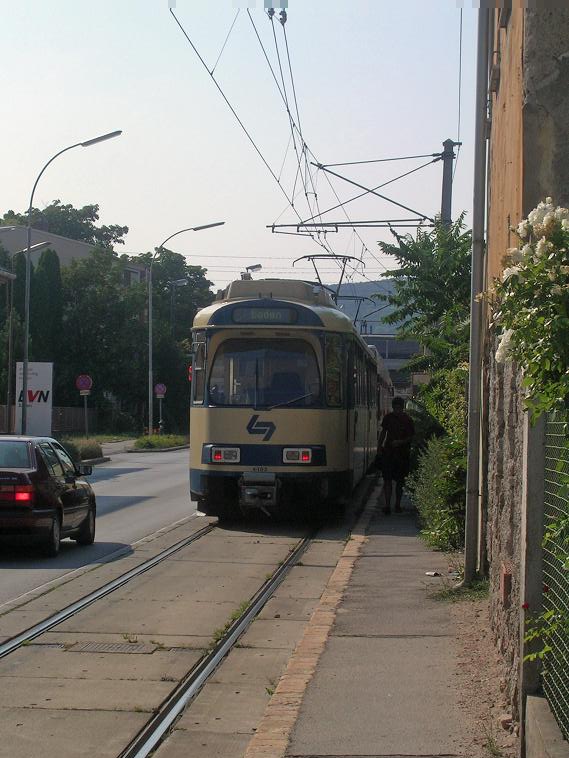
506, 169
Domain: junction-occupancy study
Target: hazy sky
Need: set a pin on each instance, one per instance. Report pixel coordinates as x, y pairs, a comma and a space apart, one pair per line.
373, 79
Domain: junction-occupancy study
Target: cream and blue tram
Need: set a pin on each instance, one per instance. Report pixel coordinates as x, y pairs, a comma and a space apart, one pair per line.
284, 400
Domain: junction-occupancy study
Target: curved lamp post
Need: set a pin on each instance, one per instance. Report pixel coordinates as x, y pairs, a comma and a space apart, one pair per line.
87, 143
156, 254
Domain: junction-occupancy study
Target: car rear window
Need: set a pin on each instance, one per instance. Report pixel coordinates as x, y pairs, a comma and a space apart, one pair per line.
14, 454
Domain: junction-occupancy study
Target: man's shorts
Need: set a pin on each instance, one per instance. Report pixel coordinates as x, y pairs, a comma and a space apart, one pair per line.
395, 466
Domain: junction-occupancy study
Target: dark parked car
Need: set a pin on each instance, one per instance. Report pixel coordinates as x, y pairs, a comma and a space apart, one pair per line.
43, 494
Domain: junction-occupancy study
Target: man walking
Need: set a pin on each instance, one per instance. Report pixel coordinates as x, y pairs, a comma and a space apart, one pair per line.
397, 431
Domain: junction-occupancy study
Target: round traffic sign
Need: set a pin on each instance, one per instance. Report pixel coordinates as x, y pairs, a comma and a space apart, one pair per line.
160, 389
84, 382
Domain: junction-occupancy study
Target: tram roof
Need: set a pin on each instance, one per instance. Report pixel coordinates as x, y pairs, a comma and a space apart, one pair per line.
294, 291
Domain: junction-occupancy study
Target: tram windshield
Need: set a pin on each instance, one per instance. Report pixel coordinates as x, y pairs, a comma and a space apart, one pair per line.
265, 374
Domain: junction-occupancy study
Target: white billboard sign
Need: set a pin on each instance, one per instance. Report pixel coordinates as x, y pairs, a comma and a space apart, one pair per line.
39, 400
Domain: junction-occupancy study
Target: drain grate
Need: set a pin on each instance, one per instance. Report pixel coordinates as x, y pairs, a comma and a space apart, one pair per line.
112, 647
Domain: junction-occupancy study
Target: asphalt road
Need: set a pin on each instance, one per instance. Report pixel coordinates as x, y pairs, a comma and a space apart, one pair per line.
137, 494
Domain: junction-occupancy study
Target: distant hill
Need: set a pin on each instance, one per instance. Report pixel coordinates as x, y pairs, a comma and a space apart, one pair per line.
368, 289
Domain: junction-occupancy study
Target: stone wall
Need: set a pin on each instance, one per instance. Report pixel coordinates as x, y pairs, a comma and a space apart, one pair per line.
504, 493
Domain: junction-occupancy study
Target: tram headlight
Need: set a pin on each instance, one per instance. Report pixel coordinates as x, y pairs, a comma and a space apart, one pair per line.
225, 455
297, 455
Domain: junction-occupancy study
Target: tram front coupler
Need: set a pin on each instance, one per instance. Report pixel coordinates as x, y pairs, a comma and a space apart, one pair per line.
258, 491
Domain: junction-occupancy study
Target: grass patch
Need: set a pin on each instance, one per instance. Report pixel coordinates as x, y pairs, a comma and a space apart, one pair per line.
102, 438
218, 633
159, 441
82, 448
478, 590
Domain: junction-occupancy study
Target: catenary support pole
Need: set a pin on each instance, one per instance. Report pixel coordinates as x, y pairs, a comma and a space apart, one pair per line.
477, 283
446, 199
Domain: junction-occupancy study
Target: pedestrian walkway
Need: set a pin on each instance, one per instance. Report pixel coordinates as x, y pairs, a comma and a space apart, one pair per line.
385, 684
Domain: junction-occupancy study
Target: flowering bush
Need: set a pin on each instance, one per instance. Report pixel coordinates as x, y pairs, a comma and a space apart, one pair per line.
532, 306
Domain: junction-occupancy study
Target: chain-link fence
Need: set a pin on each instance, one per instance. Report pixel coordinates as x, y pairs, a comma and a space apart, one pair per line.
556, 577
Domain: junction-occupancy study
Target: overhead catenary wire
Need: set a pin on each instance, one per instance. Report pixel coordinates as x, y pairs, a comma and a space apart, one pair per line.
459, 93
226, 40
317, 237
232, 109
294, 125
238, 119
379, 186
381, 160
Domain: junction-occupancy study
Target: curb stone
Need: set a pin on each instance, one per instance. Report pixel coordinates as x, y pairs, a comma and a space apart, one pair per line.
157, 449
94, 461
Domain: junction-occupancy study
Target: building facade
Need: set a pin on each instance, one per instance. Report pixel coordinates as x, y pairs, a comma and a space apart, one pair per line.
528, 152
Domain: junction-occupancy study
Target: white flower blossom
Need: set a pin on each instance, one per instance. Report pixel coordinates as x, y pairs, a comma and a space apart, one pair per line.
504, 348
542, 248
509, 272
557, 290
562, 214
565, 224
527, 252
549, 222
564, 269
523, 229
514, 255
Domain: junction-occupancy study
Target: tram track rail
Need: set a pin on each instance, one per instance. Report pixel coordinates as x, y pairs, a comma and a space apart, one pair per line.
159, 726
25, 637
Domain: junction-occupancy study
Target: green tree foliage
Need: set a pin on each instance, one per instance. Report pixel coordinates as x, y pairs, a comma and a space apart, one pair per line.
103, 331
431, 303
431, 297
90, 318
438, 482
174, 309
67, 221
19, 268
46, 302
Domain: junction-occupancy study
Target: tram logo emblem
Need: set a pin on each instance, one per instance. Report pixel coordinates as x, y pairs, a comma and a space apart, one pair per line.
261, 427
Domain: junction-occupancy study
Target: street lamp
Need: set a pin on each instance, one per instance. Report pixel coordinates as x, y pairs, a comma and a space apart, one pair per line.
87, 143
156, 253
255, 267
33, 248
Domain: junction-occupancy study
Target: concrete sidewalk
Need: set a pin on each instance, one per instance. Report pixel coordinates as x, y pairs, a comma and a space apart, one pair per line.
385, 684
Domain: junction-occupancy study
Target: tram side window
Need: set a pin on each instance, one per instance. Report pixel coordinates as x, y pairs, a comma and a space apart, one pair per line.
198, 375
334, 367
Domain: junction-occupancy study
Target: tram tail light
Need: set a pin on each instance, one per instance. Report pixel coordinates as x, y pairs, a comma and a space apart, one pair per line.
225, 455
297, 455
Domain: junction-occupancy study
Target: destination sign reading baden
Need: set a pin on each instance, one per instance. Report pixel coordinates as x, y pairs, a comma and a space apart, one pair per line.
257, 315
84, 382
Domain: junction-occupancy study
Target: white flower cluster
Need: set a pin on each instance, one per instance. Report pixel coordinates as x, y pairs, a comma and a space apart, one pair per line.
536, 232
505, 346
543, 219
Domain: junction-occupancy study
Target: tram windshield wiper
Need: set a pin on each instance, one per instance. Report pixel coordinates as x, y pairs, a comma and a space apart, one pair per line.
288, 402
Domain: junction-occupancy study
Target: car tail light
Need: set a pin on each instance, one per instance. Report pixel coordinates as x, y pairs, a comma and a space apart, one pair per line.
297, 455
225, 455
24, 494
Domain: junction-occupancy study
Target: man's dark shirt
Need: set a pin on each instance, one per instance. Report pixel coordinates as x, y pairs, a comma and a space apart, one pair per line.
399, 426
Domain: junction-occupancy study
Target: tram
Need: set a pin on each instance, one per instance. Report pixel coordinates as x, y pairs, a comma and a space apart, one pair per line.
286, 400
